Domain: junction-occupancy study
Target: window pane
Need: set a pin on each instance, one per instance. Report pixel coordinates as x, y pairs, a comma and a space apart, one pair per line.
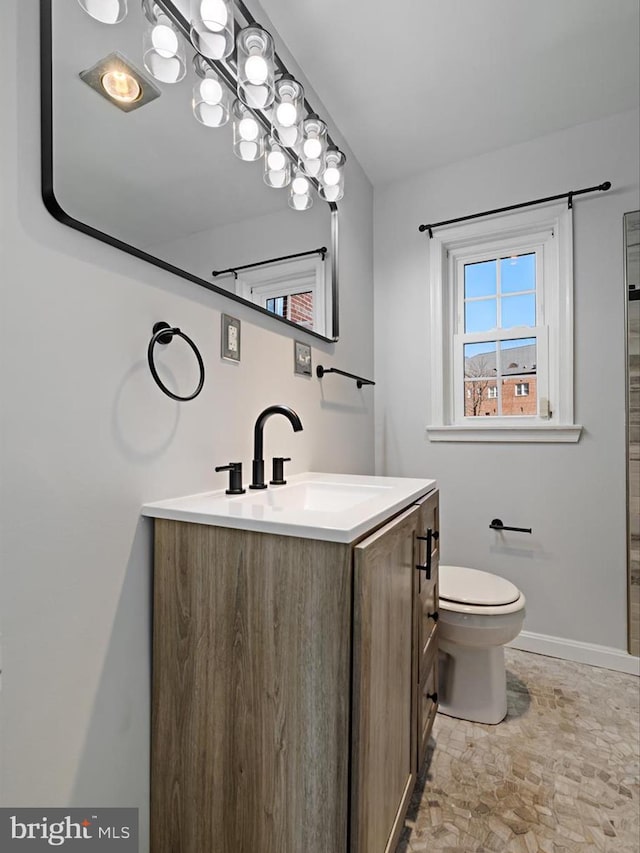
518, 362
480, 398
277, 305
480, 279
481, 316
518, 310
480, 360
518, 273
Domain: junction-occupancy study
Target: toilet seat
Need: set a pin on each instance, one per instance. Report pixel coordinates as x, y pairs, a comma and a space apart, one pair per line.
461, 585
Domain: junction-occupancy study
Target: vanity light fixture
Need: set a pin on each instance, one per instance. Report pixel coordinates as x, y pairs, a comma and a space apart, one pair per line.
212, 27
117, 80
162, 48
255, 63
210, 95
263, 106
105, 11
248, 134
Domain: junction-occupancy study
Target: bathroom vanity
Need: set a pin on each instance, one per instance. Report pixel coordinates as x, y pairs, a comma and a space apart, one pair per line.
294, 664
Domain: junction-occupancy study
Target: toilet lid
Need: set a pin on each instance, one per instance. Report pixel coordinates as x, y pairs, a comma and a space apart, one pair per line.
471, 586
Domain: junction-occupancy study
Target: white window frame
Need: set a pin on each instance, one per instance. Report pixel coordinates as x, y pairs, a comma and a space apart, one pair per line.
549, 232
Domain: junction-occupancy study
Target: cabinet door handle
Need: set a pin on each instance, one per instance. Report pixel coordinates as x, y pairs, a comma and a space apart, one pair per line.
432, 536
426, 569
433, 697
435, 616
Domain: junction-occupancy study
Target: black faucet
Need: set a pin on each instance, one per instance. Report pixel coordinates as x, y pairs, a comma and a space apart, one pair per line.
258, 460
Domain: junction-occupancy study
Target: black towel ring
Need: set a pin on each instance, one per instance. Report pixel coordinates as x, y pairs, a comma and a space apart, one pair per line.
164, 334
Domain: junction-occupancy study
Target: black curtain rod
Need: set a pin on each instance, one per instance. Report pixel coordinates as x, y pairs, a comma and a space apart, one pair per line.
569, 196
322, 251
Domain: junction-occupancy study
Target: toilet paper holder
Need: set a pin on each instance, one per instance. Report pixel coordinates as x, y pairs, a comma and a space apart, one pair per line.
497, 524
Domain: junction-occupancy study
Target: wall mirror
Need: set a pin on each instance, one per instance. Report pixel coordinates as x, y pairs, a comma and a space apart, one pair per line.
156, 182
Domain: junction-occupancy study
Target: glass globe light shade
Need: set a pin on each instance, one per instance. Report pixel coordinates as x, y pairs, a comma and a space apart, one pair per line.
248, 135
105, 11
211, 101
211, 27
163, 51
255, 64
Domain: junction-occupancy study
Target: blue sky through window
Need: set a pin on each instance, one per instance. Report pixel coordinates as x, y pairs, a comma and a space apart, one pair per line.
518, 308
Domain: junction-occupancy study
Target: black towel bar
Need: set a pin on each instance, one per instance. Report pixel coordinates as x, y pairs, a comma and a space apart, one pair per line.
320, 372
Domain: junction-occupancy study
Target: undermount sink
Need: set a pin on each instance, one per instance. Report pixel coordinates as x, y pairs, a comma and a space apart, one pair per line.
333, 507
315, 496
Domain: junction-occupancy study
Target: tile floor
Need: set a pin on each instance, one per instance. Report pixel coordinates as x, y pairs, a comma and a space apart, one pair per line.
559, 775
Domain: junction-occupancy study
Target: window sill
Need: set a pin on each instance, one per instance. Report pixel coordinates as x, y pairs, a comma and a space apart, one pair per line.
566, 433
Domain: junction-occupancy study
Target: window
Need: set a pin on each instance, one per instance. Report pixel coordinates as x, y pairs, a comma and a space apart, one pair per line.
295, 305
502, 329
293, 289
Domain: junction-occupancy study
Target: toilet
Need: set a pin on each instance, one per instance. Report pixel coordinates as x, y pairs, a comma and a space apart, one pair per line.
479, 613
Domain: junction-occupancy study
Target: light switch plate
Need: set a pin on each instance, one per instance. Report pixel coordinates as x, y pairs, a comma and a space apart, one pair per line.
230, 344
301, 358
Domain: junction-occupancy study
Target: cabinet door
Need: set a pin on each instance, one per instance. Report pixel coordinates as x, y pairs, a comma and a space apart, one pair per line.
250, 730
427, 621
384, 695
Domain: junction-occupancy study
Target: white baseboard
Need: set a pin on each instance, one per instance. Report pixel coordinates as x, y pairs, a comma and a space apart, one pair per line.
559, 647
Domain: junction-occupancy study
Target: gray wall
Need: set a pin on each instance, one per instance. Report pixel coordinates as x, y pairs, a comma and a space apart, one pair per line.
87, 437
573, 568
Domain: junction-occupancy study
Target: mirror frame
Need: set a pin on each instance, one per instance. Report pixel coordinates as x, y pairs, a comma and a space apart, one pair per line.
56, 210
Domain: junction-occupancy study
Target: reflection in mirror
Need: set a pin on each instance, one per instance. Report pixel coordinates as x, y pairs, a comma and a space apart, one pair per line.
147, 167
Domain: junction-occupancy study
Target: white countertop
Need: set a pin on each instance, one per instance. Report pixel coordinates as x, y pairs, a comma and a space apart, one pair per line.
331, 507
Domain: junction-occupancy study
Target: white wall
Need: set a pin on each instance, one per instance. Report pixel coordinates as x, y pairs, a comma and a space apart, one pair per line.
573, 568
87, 437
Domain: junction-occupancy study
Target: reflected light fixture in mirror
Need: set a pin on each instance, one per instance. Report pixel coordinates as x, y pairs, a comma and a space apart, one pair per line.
162, 48
212, 27
105, 11
116, 79
276, 106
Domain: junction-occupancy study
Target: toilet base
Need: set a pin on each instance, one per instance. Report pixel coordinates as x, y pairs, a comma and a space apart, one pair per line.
473, 683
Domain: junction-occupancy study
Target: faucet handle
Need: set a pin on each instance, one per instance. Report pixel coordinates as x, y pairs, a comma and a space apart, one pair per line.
278, 470
235, 477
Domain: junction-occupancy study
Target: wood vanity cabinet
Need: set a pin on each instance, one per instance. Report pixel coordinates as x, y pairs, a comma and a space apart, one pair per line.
288, 710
